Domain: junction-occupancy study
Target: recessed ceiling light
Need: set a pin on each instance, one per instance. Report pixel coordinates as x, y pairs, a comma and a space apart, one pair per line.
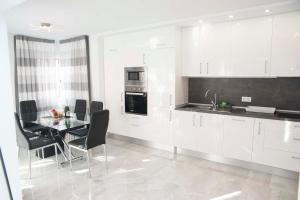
230, 16
200, 21
267, 11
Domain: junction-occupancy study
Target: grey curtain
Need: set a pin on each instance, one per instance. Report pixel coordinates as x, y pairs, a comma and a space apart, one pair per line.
35, 71
74, 66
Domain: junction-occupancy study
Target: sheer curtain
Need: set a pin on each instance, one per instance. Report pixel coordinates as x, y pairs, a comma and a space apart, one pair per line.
74, 70
36, 71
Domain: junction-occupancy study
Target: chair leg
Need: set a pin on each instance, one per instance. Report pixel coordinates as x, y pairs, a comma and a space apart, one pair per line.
55, 146
43, 153
29, 162
70, 158
88, 160
105, 151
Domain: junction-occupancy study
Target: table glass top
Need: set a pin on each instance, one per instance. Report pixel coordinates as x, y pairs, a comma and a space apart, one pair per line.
60, 124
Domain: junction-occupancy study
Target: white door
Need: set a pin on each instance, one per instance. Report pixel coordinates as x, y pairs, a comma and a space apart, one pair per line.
286, 45
193, 50
210, 133
160, 65
238, 137
218, 51
251, 47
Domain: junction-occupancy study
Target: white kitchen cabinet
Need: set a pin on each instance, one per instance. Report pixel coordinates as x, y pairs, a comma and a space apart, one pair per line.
185, 131
238, 137
286, 45
210, 133
193, 51
198, 131
258, 141
251, 47
114, 88
218, 49
160, 65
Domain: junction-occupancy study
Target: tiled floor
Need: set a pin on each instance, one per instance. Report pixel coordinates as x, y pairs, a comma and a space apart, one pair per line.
136, 173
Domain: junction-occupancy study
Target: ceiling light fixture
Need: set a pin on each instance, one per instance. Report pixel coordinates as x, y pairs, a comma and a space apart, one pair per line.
46, 26
230, 16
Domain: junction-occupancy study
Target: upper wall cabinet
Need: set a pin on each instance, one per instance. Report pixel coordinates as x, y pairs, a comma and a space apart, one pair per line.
251, 47
193, 50
286, 45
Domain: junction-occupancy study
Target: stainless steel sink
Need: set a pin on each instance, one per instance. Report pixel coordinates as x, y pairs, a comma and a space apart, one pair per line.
204, 107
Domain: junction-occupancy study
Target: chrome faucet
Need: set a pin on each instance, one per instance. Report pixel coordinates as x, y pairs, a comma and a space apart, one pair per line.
213, 102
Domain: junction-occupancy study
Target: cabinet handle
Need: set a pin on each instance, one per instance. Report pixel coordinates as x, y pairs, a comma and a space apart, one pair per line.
266, 65
259, 128
122, 110
194, 119
170, 99
200, 121
122, 97
294, 157
296, 138
238, 120
206, 68
200, 68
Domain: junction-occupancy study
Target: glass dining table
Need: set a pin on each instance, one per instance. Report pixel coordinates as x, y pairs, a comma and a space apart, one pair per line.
58, 127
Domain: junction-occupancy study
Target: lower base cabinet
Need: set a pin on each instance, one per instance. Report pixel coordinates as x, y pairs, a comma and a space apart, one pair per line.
238, 138
198, 131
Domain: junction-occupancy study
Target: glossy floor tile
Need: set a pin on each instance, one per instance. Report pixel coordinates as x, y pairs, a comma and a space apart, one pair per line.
137, 172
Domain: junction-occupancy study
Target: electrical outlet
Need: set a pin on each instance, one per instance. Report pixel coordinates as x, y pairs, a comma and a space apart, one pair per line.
246, 99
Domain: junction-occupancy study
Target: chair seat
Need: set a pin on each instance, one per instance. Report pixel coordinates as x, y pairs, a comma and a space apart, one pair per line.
30, 134
80, 132
36, 128
41, 142
80, 143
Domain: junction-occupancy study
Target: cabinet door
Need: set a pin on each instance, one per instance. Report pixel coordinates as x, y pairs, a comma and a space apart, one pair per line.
251, 47
114, 87
218, 51
258, 141
160, 65
210, 133
238, 137
193, 51
286, 45
186, 130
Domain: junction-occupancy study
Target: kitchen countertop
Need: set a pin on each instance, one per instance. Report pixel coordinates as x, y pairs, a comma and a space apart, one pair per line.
238, 112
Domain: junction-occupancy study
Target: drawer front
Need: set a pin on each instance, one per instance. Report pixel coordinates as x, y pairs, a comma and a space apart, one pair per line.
282, 135
281, 159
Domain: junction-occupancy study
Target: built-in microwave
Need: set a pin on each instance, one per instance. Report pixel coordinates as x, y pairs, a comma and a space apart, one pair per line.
135, 76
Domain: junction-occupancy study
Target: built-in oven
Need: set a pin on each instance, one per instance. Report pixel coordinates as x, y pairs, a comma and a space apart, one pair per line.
136, 90
136, 103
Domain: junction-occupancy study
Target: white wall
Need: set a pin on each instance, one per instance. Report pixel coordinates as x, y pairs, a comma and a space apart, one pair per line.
8, 134
96, 67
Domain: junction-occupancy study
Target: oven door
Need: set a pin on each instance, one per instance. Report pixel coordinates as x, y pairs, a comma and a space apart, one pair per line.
136, 102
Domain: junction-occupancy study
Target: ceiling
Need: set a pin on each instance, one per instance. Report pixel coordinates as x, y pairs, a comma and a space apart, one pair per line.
76, 17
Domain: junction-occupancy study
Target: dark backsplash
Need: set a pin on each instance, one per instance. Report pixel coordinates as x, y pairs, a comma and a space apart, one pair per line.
282, 93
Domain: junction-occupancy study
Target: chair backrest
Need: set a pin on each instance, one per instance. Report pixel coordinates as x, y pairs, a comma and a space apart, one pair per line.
28, 110
98, 128
95, 106
22, 140
80, 109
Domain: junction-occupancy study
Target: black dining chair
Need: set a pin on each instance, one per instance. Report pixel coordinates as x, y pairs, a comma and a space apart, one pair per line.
96, 136
80, 109
30, 143
28, 111
82, 132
